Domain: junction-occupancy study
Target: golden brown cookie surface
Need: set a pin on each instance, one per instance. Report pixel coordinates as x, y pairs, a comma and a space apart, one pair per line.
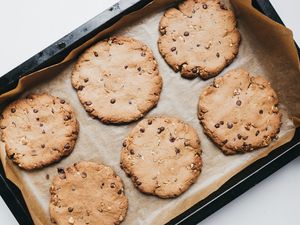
87, 193
162, 156
239, 112
117, 80
38, 130
199, 38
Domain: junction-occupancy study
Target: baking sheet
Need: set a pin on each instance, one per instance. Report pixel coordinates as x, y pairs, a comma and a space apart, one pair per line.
266, 49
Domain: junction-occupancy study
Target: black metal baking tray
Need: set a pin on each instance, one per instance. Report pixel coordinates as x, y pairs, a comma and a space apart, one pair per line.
234, 187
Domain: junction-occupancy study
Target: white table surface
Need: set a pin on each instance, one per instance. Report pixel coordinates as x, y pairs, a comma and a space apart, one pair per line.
30, 26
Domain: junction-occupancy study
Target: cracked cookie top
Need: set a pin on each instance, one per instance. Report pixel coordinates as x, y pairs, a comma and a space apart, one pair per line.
117, 80
199, 38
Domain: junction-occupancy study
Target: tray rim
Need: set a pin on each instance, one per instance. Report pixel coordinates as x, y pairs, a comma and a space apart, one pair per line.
234, 187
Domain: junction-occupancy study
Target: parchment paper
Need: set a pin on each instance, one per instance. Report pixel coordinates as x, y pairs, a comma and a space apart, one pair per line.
266, 49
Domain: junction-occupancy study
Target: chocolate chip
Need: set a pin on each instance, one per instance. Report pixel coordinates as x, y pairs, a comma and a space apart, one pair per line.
142, 130
224, 142
177, 150
42, 145
2, 127
222, 6
139, 68
173, 49
47, 176
83, 175
222, 122
120, 191
61, 173
88, 103
13, 110
229, 125
89, 110
217, 125
112, 185
112, 101
239, 136
125, 67
163, 31
143, 54
43, 132
70, 209
204, 6
187, 143
218, 54
195, 70
261, 111
80, 87
96, 54
160, 129
60, 170
238, 102
62, 101
67, 146
35, 110
138, 183
172, 139
186, 33
12, 156
124, 144
86, 80
41, 125
257, 132
198, 45
149, 122
131, 152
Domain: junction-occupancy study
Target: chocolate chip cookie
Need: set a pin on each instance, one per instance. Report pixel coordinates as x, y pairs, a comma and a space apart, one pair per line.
239, 112
87, 193
162, 156
38, 130
199, 38
117, 80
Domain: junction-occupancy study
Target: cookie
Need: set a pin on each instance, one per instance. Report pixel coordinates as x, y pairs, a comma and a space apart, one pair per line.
239, 112
162, 156
38, 130
199, 38
117, 80
87, 193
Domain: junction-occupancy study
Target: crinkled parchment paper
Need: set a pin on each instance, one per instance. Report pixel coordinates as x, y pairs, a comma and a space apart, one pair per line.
266, 49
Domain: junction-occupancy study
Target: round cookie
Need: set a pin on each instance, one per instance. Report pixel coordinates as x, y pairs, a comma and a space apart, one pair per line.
87, 193
38, 130
117, 80
162, 156
239, 112
199, 38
